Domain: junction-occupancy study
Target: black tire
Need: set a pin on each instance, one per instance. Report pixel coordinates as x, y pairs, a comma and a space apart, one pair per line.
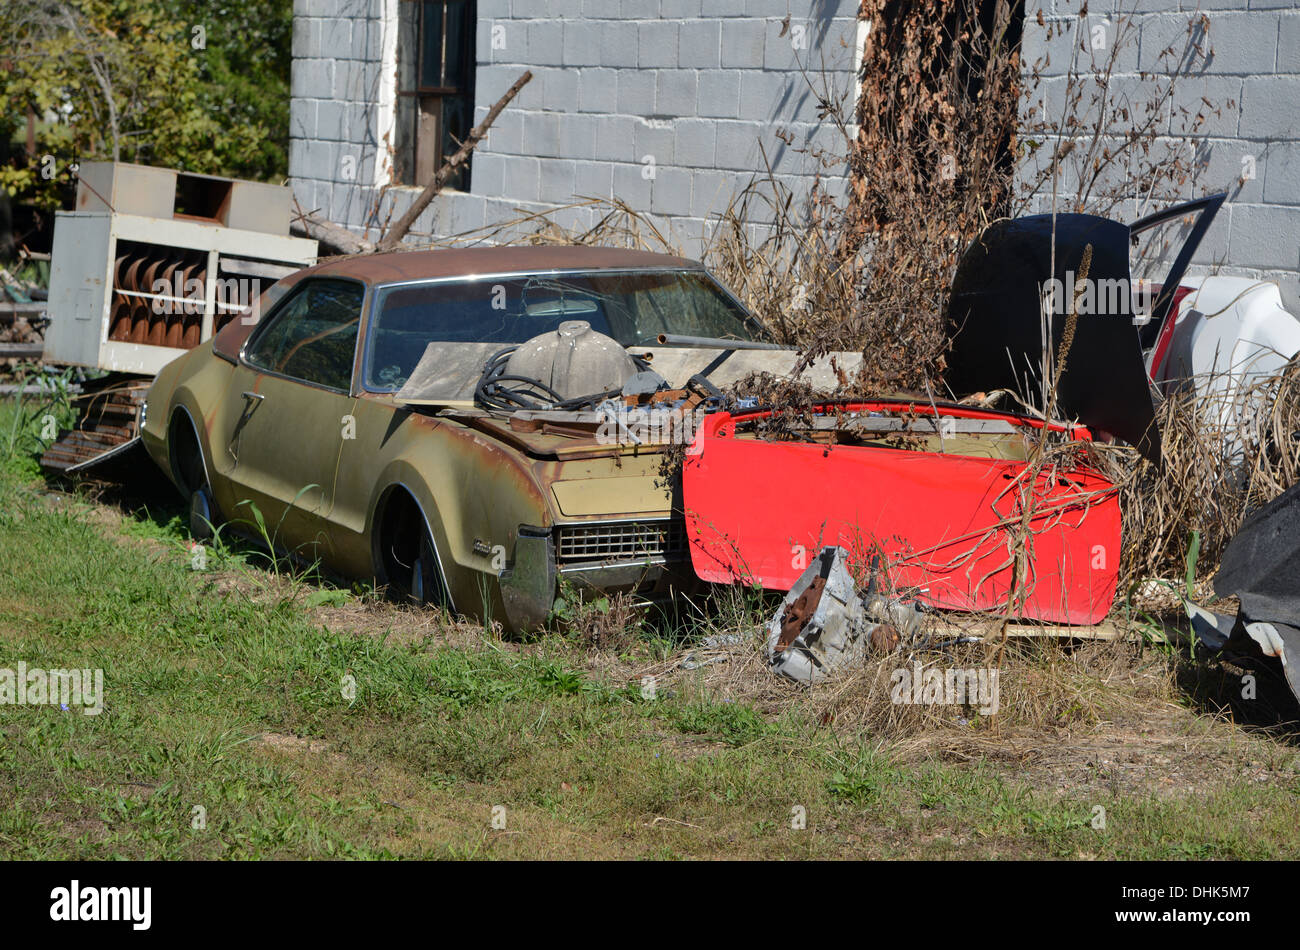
193, 480
203, 514
408, 556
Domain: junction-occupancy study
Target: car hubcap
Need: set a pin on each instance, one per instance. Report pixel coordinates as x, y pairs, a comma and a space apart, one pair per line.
200, 515
417, 580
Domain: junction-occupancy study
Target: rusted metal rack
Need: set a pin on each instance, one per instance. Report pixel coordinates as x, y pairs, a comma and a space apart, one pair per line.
106, 425
130, 294
151, 265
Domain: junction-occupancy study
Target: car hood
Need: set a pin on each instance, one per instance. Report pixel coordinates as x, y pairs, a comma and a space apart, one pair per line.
995, 315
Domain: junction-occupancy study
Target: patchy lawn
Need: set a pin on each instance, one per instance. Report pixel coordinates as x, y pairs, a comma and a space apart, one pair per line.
249, 713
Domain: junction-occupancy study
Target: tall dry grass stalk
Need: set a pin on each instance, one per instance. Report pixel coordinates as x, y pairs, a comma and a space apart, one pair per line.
931, 164
1221, 460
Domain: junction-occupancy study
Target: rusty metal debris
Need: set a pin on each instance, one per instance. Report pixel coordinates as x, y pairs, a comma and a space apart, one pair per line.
1261, 567
135, 276
106, 426
825, 623
797, 614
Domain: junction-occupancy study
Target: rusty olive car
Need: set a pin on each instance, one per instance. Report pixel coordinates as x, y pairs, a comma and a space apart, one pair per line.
433, 420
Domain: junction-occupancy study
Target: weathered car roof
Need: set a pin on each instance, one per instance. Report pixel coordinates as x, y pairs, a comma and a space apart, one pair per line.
467, 262
397, 266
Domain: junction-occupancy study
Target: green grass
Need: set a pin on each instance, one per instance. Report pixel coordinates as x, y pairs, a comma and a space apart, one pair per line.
230, 730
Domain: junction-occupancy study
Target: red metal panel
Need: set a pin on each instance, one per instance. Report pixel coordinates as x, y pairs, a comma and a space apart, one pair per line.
759, 511
1161, 350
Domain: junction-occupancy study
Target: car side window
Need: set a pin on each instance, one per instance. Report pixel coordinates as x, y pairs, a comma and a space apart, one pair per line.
312, 335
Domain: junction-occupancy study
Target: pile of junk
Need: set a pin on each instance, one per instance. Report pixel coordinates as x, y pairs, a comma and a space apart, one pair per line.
980, 517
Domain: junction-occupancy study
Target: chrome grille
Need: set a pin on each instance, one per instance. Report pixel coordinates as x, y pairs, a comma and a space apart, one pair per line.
620, 541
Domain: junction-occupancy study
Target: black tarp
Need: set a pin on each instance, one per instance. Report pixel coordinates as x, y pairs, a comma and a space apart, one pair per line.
1261, 566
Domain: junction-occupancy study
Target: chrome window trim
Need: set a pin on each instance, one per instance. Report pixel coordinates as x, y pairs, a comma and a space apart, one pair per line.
553, 272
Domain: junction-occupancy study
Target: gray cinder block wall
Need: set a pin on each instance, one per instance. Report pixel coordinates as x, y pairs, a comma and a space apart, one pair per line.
1251, 148
665, 104
334, 110
668, 105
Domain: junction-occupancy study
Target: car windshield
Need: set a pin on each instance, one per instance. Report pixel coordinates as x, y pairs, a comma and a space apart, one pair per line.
632, 307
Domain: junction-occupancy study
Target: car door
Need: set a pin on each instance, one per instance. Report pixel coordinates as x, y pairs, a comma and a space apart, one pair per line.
288, 410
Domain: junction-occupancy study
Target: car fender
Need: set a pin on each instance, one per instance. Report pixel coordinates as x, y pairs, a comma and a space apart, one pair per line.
473, 518
167, 396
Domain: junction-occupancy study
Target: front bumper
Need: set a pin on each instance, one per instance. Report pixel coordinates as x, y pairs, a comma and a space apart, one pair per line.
644, 557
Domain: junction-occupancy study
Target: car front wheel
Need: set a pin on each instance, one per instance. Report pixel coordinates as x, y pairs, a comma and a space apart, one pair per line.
410, 561
202, 514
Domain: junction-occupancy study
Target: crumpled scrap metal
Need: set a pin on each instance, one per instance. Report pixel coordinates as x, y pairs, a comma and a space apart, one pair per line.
825, 623
1261, 566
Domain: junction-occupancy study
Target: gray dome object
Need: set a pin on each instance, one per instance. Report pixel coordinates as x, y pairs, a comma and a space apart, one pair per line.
574, 360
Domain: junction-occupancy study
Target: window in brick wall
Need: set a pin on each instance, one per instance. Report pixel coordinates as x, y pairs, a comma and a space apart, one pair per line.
435, 87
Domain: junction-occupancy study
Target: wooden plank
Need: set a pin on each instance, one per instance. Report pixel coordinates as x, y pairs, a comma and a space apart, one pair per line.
992, 630
22, 351
11, 309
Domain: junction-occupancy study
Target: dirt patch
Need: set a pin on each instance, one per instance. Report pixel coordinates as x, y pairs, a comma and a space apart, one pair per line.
94, 830
1164, 753
686, 748
398, 625
297, 746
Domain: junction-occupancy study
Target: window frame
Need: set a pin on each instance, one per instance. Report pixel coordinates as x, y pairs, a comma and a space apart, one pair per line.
420, 92
277, 313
